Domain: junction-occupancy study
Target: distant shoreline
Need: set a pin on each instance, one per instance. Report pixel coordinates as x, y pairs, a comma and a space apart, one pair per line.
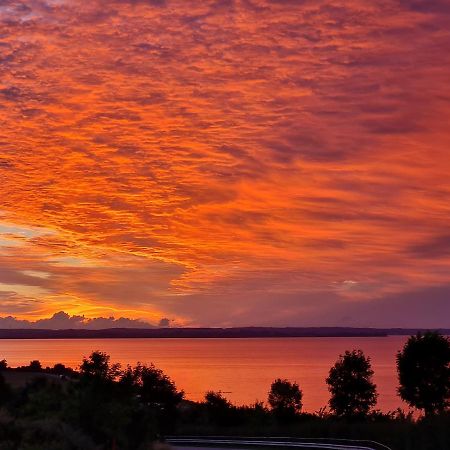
204, 333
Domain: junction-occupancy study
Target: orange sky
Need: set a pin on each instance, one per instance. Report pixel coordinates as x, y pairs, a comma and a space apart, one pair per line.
226, 162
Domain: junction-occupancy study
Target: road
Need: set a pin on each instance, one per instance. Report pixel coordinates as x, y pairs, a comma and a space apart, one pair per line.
227, 443
309, 446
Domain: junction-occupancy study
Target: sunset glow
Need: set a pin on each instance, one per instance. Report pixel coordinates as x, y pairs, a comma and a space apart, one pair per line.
226, 163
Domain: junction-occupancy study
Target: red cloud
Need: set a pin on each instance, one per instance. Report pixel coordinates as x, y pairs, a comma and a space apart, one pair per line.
179, 148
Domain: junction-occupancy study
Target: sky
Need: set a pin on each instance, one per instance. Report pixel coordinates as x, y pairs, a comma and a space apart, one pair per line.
225, 162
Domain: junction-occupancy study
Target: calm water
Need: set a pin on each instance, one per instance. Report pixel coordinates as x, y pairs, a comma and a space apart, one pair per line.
241, 368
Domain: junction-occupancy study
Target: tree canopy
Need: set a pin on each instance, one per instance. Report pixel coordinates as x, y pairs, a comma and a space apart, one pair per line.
285, 398
353, 393
423, 368
98, 366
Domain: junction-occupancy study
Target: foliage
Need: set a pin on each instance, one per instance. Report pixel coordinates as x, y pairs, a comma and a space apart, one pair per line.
156, 391
35, 366
353, 393
215, 400
285, 399
100, 407
424, 372
98, 366
103, 408
154, 387
62, 370
219, 410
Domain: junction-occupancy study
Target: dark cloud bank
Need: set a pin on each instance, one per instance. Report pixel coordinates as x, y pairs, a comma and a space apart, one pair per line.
62, 320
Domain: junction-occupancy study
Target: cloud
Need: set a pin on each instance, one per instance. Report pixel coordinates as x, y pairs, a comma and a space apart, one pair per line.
212, 161
434, 247
62, 320
164, 322
438, 6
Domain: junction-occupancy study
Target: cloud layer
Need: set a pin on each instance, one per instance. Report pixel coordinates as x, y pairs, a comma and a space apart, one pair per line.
223, 162
64, 321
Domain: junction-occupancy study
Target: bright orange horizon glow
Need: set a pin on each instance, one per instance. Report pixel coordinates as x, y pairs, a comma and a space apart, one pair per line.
224, 163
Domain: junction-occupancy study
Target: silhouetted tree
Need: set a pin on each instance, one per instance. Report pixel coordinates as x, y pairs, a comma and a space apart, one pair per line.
152, 385
424, 372
216, 400
3, 365
285, 399
158, 388
156, 391
220, 411
98, 366
353, 393
35, 366
255, 415
100, 407
62, 370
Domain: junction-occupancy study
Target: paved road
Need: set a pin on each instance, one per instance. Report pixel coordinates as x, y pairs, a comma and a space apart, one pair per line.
227, 443
178, 447
310, 446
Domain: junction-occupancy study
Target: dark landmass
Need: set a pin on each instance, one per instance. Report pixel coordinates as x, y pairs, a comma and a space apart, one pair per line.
244, 332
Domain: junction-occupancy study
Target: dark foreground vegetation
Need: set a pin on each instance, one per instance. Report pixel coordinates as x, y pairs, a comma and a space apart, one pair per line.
103, 406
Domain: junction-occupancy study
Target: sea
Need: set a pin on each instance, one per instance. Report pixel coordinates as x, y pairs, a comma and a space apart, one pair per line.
242, 369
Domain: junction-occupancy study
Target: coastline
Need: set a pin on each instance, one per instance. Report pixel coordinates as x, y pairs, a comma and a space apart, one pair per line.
204, 333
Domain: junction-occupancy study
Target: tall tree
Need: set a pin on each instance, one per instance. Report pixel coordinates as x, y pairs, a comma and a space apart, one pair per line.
423, 368
353, 393
285, 399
